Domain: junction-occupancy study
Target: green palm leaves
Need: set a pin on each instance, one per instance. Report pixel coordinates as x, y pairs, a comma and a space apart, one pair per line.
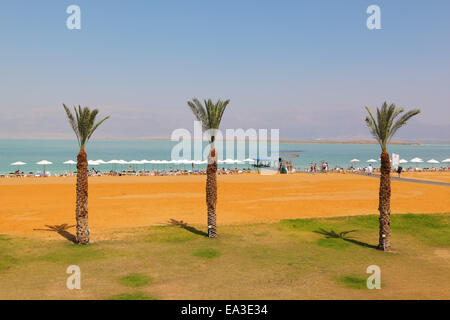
83, 123
210, 114
386, 123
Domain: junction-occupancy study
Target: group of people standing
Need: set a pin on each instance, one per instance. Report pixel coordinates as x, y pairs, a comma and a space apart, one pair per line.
324, 167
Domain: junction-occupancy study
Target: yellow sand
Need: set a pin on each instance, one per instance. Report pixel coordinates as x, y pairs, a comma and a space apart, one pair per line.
122, 202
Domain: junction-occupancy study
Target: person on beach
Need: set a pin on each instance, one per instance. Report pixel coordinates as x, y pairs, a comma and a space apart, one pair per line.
315, 167
399, 171
370, 169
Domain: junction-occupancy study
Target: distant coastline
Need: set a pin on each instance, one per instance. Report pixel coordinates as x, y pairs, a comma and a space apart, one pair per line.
416, 142
407, 143
316, 141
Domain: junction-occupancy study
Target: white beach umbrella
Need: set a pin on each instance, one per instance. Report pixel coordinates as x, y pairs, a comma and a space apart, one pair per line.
113, 162
226, 161
44, 163
71, 162
446, 160
416, 160
144, 162
184, 162
432, 161
18, 163
192, 162
197, 162
164, 162
135, 162
189, 162
249, 160
93, 163
100, 161
403, 161
371, 160
229, 161
354, 160
154, 162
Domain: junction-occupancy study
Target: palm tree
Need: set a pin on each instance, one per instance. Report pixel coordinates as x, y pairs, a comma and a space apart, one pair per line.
83, 124
210, 116
383, 129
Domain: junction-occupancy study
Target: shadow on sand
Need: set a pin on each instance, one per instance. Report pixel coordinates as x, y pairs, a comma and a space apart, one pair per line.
343, 236
61, 230
185, 226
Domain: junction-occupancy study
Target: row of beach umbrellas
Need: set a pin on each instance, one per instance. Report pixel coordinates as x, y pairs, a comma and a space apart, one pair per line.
414, 160
140, 162
198, 162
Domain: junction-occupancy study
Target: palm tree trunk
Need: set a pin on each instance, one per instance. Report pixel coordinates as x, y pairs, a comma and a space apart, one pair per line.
384, 207
211, 193
82, 198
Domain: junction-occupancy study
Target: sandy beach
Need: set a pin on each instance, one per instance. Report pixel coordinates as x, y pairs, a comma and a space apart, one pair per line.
30, 204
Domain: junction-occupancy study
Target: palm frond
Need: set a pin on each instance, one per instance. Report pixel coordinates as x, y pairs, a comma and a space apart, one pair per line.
72, 121
199, 112
83, 123
385, 125
97, 125
210, 114
402, 121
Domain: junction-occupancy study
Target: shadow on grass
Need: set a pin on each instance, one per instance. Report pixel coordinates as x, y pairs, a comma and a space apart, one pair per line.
185, 226
343, 235
62, 231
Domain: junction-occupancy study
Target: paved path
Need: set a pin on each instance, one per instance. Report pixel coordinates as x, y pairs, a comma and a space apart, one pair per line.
436, 183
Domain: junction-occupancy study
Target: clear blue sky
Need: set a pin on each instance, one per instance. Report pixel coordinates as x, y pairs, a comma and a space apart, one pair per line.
305, 67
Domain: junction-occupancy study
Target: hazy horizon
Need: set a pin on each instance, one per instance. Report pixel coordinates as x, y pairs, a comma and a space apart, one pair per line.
307, 68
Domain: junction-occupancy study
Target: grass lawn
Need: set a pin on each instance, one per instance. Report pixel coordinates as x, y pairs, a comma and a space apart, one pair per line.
292, 259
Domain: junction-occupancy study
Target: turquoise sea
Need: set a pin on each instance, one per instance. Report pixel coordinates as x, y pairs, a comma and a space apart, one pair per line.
59, 151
